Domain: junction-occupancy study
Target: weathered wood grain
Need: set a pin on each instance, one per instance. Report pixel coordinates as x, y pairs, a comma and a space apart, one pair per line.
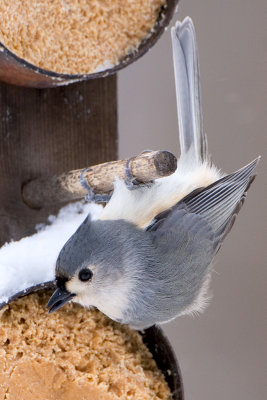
48, 131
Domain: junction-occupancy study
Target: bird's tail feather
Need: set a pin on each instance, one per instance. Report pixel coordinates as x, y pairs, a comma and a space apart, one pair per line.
188, 91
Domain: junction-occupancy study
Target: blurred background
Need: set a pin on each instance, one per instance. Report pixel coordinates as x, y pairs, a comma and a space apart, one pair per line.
223, 352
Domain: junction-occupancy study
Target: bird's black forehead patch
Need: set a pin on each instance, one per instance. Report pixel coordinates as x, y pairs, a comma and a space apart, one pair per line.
61, 281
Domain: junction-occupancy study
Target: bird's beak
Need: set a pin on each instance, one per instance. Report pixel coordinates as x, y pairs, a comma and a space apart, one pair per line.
58, 299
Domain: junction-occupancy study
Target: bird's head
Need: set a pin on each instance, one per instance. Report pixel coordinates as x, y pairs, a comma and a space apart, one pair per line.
92, 268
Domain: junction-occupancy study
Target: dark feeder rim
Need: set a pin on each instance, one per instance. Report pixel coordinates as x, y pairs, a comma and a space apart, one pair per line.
164, 17
153, 338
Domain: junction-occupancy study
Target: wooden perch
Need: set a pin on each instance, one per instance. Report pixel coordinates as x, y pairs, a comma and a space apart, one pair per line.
66, 187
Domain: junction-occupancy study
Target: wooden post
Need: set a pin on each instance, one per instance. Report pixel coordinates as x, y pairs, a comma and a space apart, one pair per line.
47, 132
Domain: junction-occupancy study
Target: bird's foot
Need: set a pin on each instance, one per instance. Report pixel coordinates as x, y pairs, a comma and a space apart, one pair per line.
130, 181
91, 196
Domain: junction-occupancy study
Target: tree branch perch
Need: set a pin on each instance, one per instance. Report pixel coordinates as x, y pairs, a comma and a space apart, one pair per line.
66, 187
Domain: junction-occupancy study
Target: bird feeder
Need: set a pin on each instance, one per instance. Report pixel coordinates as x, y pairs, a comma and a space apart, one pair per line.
55, 124
32, 70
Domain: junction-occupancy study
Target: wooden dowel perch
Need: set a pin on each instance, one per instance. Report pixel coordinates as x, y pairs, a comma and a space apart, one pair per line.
66, 187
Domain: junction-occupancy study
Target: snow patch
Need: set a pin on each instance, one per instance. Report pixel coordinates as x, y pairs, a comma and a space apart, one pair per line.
32, 259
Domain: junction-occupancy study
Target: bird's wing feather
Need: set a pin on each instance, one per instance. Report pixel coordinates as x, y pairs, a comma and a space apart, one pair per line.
217, 204
220, 202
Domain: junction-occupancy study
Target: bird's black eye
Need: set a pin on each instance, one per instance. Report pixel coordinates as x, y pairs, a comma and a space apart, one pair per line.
85, 274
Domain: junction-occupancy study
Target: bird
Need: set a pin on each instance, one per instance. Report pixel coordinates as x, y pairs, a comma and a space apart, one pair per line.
148, 257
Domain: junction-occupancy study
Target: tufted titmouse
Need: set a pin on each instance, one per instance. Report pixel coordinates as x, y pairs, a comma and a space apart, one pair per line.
147, 258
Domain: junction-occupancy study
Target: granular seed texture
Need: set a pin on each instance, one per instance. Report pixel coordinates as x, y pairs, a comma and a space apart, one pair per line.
73, 353
76, 36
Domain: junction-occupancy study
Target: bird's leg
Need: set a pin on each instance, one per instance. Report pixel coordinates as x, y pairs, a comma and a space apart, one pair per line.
130, 181
91, 196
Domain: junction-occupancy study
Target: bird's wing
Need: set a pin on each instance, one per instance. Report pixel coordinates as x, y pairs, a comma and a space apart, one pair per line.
188, 90
187, 236
184, 244
217, 205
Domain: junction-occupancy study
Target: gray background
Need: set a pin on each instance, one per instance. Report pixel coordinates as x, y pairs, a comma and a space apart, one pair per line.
222, 353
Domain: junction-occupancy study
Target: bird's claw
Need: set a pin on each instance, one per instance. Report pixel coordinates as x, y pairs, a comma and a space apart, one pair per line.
91, 196
130, 181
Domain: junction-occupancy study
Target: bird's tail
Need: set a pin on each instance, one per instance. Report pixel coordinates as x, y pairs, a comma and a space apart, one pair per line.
188, 91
